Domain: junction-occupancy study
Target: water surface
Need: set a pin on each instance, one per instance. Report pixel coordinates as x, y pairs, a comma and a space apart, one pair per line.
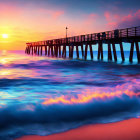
41, 95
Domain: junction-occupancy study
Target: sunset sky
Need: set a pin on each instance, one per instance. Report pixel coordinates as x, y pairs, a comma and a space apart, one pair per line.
33, 20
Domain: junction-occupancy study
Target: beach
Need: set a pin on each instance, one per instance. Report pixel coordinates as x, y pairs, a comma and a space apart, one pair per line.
123, 130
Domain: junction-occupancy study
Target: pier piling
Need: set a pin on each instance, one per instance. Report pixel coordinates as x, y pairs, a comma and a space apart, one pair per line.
59, 49
45, 50
114, 52
86, 48
138, 52
122, 52
131, 52
82, 51
91, 51
77, 51
109, 52
100, 50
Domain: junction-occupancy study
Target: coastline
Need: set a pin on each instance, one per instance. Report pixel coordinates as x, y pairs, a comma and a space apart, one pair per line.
123, 130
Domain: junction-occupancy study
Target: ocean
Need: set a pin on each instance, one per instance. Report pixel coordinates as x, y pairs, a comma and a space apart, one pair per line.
42, 95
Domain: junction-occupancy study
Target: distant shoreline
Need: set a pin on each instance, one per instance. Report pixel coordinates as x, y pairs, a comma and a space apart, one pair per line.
124, 130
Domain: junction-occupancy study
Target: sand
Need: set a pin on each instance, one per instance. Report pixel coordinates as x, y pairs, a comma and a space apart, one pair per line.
124, 130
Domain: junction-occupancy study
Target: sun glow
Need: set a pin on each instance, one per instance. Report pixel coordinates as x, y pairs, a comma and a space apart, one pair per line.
4, 35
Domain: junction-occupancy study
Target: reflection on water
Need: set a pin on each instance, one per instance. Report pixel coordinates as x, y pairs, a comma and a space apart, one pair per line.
41, 95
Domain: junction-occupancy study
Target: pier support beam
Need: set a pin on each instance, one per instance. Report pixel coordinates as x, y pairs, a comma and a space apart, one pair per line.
100, 50
114, 52
138, 52
91, 51
77, 51
41, 50
52, 54
59, 50
64, 51
69, 51
28, 50
82, 51
72, 48
45, 50
49, 50
86, 48
56, 51
122, 52
38, 50
32, 50
109, 52
131, 52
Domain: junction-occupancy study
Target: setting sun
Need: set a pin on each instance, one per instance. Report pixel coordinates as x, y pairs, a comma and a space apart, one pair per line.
4, 35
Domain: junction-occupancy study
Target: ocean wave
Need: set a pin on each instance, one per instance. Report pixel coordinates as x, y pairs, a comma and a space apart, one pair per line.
45, 118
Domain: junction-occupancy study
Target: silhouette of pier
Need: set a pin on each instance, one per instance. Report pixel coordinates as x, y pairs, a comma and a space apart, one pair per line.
57, 47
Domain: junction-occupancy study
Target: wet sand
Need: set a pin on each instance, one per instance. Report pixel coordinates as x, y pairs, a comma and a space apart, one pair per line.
124, 130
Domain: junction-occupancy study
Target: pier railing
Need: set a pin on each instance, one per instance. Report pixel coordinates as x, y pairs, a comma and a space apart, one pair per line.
108, 35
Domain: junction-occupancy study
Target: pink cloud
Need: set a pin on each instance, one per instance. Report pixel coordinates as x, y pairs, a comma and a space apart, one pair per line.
111, 19
137, 13
122, 21
107, 16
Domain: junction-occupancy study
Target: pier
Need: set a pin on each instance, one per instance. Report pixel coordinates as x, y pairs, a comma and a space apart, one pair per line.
57, 47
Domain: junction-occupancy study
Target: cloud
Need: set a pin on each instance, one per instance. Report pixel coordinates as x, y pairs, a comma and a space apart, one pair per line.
122, 21
130, 20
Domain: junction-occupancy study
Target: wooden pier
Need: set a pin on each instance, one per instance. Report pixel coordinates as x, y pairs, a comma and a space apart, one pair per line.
57, 47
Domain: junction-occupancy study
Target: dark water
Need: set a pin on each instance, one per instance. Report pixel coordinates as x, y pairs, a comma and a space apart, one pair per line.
43, 96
